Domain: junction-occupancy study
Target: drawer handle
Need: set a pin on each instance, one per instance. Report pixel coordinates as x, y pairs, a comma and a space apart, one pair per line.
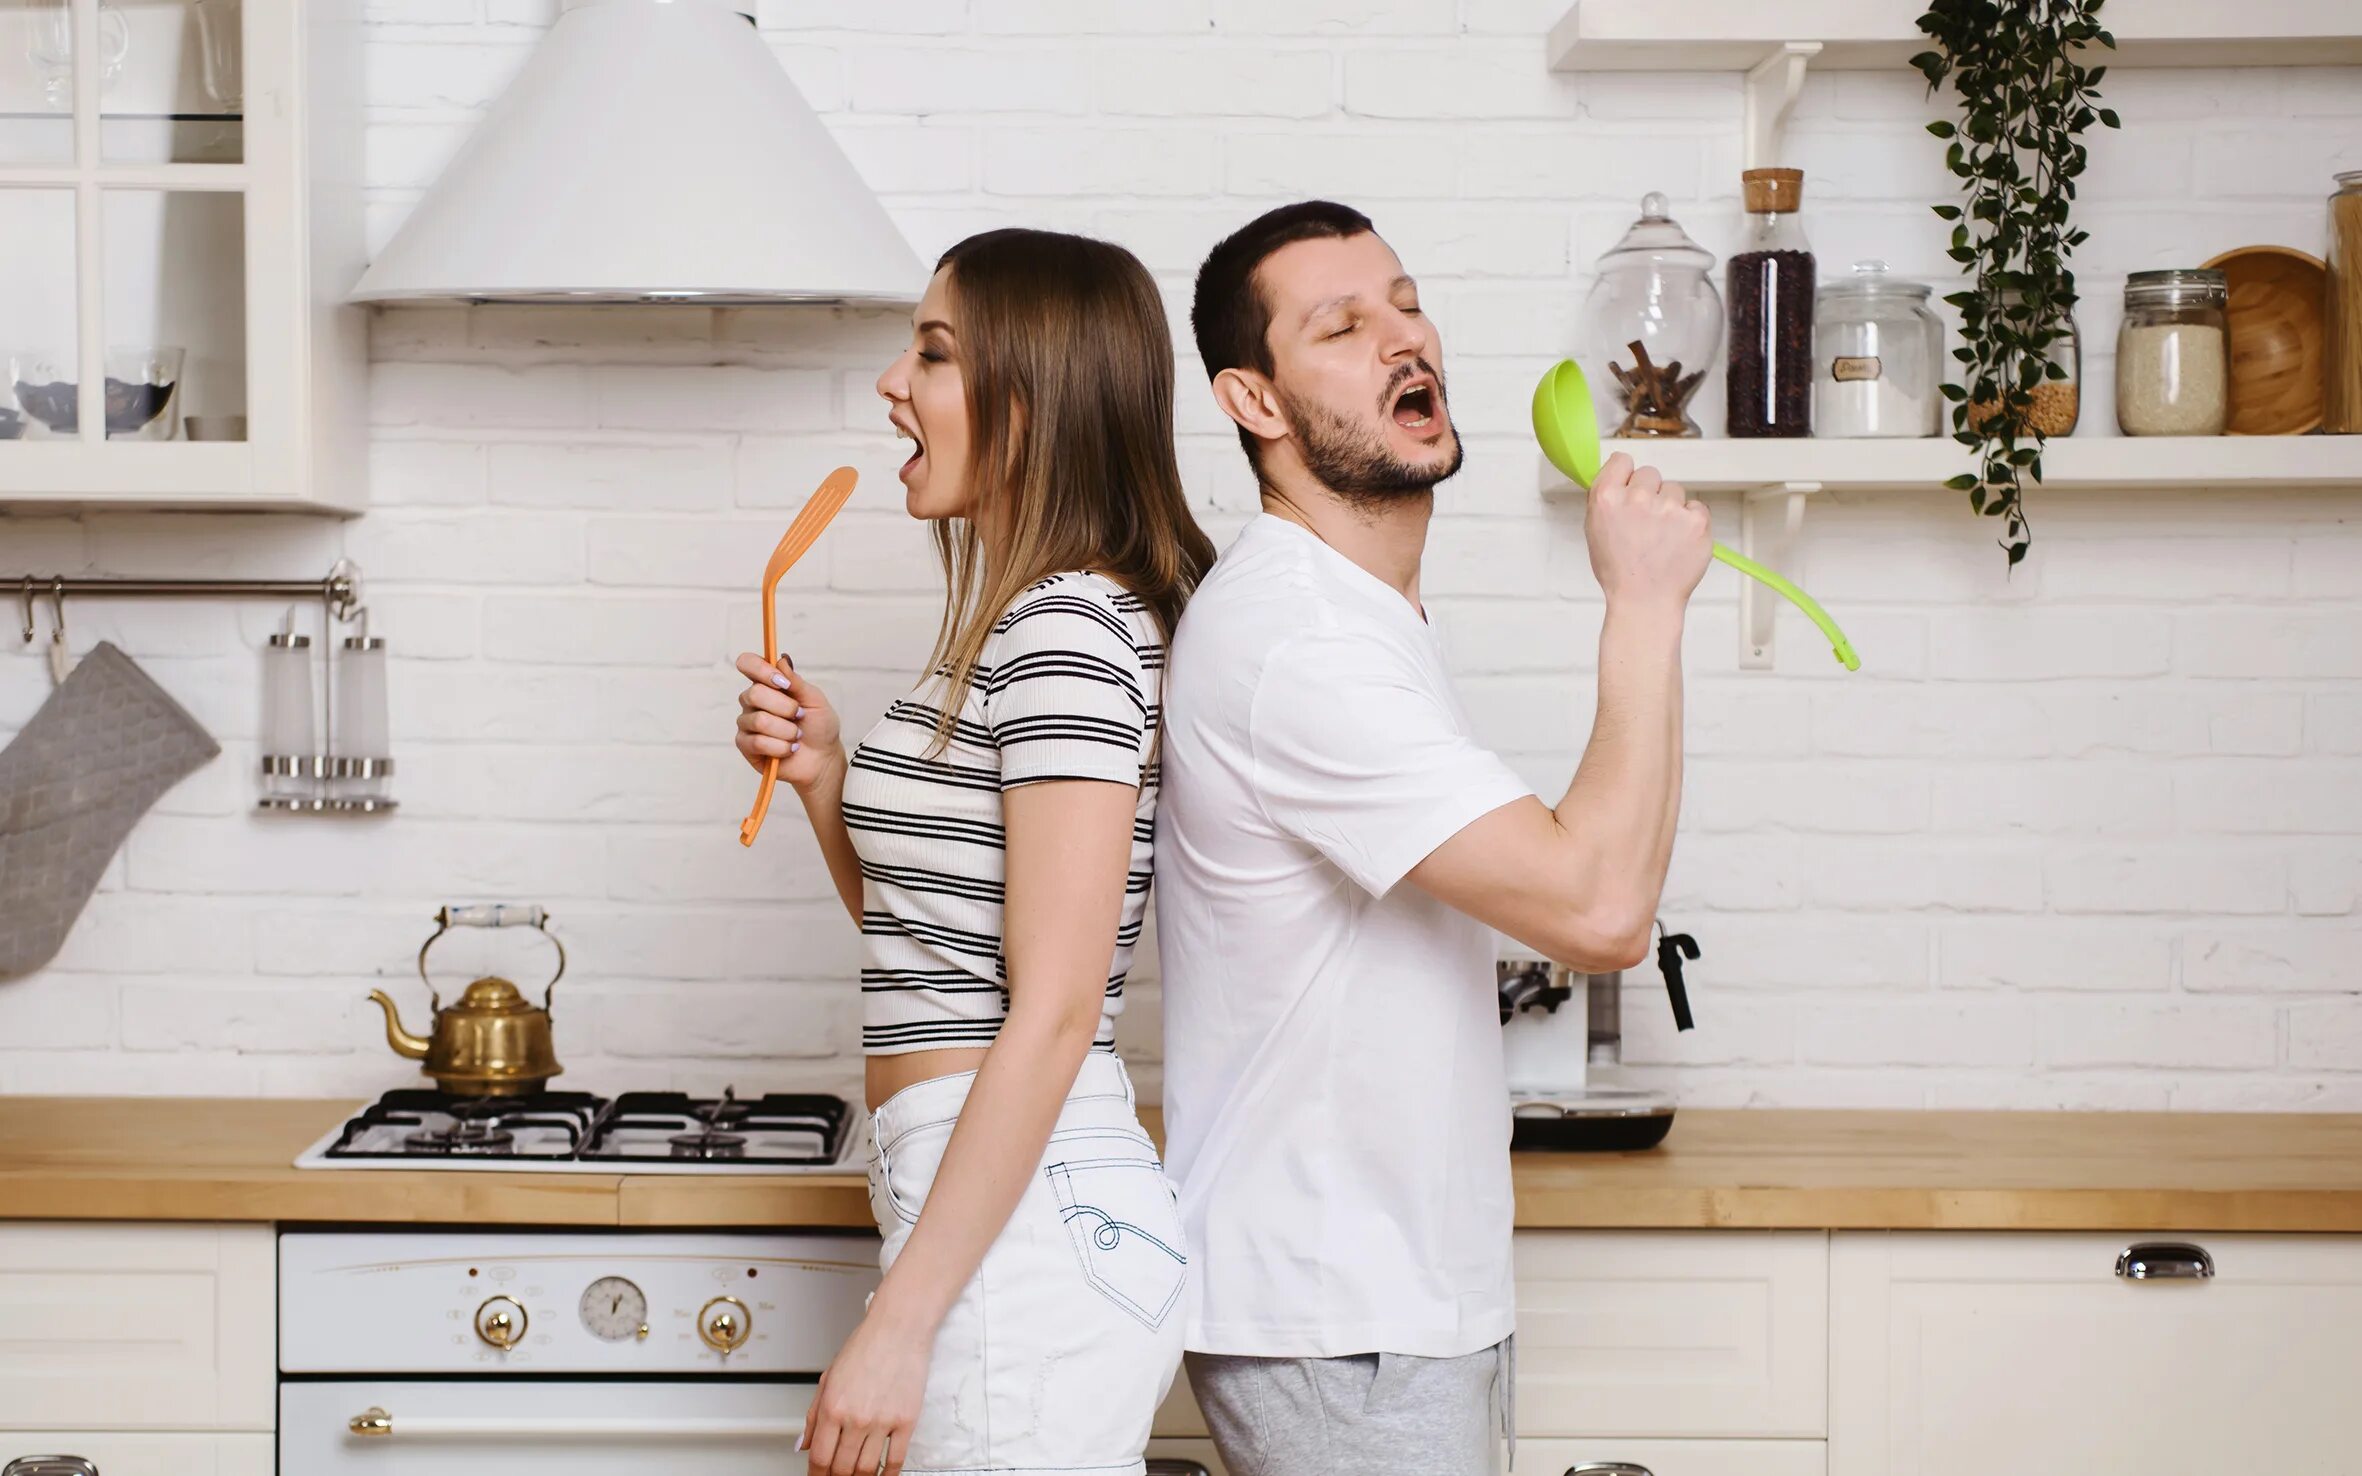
2164, 1261
1608, 1468
375, 1423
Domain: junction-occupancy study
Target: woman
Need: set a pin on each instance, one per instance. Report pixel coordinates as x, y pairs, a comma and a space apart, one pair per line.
991, 837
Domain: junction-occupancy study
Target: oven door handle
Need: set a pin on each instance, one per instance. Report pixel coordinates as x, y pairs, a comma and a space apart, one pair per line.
375, 1423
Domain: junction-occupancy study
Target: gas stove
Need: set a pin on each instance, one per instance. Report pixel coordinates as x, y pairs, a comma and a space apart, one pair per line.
559, 1132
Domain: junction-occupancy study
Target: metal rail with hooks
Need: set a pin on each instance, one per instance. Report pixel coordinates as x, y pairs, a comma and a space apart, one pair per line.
339, 590
339, 594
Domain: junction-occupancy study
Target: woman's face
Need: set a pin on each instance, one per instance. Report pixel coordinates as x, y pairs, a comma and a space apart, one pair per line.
927, 400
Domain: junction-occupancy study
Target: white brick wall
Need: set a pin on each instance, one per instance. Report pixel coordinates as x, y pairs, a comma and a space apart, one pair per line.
2088, 836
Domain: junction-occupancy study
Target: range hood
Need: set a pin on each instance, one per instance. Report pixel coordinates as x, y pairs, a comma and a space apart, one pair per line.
650, 151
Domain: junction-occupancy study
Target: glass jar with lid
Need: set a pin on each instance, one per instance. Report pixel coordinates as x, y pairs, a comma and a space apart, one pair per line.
2058, 396
1770, 390
2342, 310
2173, 354
1650, 327
1878, 357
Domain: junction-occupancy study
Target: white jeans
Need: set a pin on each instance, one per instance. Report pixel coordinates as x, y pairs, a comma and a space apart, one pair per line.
1057, 1353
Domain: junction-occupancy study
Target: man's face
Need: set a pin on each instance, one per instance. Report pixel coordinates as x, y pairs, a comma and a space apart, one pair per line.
1357, 368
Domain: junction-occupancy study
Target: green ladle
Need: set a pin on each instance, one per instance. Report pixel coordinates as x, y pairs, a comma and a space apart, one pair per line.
1568, 428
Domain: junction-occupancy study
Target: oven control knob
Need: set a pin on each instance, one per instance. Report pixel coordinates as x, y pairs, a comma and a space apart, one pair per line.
501, 1322
724, 1323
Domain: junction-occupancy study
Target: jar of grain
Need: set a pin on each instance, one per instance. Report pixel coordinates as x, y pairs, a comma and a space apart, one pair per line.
2057, 398
2172, 354
2342, 310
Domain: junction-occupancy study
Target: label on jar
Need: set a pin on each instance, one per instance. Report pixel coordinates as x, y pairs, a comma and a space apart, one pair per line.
1846, 368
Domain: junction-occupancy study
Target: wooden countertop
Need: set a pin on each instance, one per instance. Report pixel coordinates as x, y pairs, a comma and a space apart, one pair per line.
164, 1158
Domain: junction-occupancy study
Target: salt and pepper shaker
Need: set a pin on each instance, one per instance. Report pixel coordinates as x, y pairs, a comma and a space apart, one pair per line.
346, 770
360, 764
290, 755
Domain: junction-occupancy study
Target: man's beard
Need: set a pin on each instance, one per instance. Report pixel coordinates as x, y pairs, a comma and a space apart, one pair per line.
1354, 461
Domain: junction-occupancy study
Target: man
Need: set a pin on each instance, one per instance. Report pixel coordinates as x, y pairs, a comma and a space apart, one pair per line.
1334, 855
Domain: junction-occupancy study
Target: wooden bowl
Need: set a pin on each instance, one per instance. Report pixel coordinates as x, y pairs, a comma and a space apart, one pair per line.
2275, 321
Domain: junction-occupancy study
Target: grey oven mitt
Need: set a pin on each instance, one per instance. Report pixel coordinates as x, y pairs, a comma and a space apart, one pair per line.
103, 748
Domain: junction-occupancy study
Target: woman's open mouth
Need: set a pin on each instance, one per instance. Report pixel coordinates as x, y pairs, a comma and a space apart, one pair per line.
918, 449
1414, 408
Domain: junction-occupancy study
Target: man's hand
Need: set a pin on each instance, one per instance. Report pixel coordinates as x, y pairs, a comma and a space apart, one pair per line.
1649, 543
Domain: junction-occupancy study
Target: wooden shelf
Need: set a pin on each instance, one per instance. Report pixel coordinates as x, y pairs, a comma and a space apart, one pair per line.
1857, 35
2090, 463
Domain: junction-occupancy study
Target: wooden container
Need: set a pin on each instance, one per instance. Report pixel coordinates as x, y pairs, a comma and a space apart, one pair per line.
2275, 329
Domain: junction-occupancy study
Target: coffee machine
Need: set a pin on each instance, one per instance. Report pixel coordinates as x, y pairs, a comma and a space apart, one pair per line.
1563, 1041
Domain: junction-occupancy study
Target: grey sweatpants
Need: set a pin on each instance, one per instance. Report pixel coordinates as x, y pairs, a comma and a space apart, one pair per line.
1367, 1414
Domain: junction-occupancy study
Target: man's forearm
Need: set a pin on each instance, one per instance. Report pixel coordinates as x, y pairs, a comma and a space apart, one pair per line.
1626, 793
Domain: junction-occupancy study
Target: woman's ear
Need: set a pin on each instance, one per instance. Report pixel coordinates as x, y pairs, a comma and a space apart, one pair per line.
1250, 399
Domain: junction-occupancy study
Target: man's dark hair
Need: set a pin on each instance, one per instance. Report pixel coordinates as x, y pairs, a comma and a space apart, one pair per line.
1229, 315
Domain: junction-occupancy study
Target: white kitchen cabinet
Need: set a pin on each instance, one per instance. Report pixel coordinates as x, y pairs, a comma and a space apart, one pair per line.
1607, 1457
186, 210
1672, 1457
121, 1327
117, 1453
1672, 1334
1954, 1354
1200, 1450
1179, 1414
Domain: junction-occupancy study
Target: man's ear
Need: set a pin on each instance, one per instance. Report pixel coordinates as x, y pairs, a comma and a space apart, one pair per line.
1250, 399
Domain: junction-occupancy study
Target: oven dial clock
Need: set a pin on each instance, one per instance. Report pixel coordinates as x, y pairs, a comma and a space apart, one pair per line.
614, 1310
501, 1322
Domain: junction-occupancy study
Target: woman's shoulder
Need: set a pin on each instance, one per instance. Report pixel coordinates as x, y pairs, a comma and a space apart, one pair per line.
1079, 595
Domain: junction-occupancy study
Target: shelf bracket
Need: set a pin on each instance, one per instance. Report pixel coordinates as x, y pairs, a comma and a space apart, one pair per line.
1772, 86
1770, 547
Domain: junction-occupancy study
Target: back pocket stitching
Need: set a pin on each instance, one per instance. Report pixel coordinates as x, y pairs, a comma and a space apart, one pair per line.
1071, 1209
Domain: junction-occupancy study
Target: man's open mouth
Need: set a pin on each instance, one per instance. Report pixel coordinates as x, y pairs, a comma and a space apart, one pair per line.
1414, 408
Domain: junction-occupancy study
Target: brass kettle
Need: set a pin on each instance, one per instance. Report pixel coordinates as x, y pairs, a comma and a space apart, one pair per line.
490, 1042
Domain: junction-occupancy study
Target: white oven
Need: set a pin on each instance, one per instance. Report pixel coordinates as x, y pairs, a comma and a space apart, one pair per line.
414, 1353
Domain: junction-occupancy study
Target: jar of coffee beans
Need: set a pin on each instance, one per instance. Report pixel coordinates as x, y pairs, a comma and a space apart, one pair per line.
1771, 280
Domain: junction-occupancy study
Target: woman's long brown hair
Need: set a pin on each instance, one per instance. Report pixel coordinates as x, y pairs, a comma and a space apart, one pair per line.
1068, 368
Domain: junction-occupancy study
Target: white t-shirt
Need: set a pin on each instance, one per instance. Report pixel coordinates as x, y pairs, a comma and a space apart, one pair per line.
1336, 1109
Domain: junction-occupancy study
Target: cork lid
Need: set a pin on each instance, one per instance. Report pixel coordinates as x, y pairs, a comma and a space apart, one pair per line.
1774, 191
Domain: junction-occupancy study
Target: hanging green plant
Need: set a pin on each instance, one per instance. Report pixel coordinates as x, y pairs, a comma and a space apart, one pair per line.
2025, 101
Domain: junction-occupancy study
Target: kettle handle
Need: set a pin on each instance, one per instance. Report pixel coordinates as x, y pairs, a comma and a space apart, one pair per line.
491, 915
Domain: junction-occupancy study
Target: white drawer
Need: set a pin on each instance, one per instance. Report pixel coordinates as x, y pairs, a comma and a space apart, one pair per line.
1673, 1457
132, 1327
1561, 1457
1969, 1353
1673, 1334
117, 1453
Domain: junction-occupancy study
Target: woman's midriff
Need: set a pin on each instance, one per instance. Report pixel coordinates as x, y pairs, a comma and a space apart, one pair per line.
886, 1075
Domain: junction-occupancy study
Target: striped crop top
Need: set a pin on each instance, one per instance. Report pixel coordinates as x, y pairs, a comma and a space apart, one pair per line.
1066, 687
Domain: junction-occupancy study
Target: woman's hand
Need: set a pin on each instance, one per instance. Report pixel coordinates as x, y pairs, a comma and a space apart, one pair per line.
861, 1418
783, 716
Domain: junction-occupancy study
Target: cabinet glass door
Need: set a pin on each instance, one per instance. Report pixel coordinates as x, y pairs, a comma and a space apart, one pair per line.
174, 90
39, 335
174, 310
124, 196
36, 82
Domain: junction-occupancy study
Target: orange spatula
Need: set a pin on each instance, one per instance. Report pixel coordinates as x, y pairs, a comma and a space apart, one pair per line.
801, 535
